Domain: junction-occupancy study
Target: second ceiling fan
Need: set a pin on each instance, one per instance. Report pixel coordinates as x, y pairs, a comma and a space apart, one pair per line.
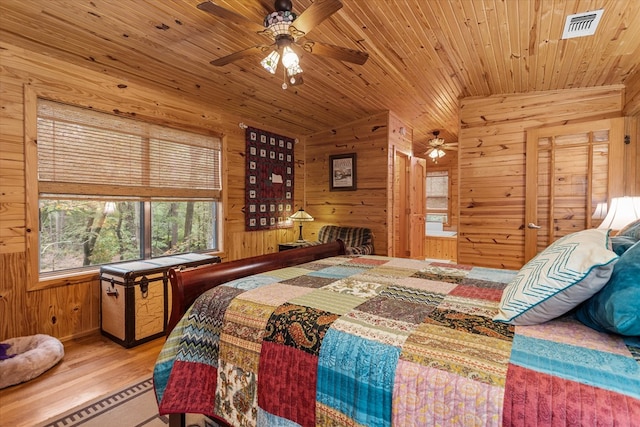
437, 147
288, 33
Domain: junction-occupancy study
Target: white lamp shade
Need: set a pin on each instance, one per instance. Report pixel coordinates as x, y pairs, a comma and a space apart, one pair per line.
600, 212
623, 211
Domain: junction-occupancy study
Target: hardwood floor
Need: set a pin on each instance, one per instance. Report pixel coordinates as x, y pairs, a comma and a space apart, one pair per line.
92, 366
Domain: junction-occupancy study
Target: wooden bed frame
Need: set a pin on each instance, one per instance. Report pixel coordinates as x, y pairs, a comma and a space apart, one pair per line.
188, 284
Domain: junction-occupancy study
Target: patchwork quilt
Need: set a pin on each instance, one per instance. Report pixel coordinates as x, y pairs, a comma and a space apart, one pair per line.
380, 341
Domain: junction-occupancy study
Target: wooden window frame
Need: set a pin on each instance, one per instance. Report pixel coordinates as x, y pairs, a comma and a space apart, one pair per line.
32, 196
449, 195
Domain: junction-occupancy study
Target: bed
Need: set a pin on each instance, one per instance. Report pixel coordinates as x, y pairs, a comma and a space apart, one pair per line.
314, 337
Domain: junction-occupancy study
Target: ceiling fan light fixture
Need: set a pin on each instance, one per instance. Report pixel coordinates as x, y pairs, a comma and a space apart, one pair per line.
436, 141
292, 71
270, 63
436, 153
295, 80
295, 75
278, 22
285, 28
289, 58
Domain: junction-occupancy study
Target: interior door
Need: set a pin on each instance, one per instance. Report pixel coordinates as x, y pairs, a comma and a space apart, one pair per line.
402, 206
418, 194
570, 169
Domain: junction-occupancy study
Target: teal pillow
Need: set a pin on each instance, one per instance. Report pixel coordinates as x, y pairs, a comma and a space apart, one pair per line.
631, 230
620, 244
616, 307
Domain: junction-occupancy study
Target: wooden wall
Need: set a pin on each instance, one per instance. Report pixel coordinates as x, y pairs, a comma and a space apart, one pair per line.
73, 309
492, 164
441, 248
632, 128
632, 95
632, 156
372, 139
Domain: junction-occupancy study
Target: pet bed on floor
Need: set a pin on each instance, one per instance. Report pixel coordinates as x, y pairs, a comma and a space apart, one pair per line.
24, 358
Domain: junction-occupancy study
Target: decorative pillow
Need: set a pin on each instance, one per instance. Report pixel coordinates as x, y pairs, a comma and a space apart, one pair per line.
558, 279
632, 230
616, 308
620, 244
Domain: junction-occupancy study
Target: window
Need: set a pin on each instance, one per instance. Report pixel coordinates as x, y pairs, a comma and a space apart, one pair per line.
438, 196
113, 189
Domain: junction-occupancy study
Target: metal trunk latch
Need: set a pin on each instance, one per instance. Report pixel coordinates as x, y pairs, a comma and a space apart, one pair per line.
144, 287
111, 290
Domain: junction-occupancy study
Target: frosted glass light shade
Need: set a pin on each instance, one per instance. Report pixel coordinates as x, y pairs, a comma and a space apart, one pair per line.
436, 153
292, 71
289, 57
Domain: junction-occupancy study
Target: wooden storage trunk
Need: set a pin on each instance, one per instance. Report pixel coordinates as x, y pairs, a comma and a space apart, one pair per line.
135, 297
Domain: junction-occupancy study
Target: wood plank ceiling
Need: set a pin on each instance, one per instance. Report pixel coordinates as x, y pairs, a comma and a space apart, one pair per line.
424, 55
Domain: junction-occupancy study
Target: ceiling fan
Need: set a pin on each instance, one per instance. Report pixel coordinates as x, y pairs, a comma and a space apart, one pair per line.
437, 147
287, 32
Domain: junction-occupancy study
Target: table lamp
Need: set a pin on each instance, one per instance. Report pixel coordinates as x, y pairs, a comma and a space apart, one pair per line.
301, 216
624, 210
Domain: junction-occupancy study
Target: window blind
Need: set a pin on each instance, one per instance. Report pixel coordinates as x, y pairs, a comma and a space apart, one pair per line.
86, 152
437, 190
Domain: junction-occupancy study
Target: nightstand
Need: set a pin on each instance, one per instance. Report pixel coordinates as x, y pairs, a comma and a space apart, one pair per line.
292, 245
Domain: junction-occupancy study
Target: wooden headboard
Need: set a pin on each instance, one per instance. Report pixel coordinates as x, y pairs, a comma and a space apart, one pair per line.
188, 284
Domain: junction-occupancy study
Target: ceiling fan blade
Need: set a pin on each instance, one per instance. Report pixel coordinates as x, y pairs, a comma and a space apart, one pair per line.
226, 14
335, 52
254, 50
313, 15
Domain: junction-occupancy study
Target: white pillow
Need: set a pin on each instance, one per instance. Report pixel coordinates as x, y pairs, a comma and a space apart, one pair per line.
558, 279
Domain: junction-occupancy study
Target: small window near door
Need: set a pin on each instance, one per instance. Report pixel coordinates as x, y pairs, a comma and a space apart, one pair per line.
438, 196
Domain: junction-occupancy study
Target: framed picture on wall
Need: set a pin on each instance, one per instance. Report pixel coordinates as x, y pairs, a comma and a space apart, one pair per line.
342, 172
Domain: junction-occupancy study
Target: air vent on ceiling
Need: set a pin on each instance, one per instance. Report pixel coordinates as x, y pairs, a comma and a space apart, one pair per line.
582, 24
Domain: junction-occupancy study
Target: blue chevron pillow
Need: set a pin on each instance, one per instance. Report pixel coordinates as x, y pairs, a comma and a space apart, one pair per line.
558, 279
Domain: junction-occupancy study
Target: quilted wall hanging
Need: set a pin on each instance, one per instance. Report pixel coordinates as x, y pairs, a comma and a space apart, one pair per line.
269, 180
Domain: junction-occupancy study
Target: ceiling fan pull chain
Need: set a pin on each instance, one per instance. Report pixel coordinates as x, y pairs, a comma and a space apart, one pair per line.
284, 79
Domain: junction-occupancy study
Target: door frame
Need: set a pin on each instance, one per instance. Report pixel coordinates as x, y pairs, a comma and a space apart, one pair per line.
615, 185
418, 206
